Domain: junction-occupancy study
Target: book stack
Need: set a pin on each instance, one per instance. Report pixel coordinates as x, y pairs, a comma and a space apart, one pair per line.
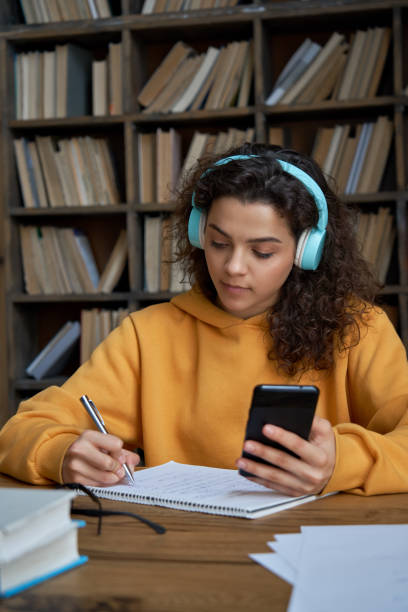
96, 325
171, 6
355, 156
53, 83
159, 160
54, 356
376, 235
38, 539
48, 11
160, 272
60, 260
65, 172
338, 70
185, 80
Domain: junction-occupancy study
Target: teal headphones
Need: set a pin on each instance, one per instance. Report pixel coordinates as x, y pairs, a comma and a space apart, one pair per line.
310, 244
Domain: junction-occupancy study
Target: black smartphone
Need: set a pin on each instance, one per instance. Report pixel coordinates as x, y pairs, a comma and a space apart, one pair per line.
289, 406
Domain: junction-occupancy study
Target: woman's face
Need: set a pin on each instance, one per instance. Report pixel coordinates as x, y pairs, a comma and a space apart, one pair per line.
249, 251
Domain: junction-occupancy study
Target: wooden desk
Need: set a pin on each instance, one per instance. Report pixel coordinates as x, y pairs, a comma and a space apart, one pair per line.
200, 564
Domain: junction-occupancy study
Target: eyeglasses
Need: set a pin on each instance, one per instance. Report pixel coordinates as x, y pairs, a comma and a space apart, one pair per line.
100, 512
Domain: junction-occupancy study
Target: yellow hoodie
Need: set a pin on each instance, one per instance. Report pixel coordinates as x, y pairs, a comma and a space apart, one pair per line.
176, 379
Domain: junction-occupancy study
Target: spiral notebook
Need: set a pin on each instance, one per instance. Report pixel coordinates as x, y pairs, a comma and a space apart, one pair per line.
201, 489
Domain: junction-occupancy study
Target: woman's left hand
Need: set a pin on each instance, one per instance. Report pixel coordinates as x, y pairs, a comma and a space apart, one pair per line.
303, 475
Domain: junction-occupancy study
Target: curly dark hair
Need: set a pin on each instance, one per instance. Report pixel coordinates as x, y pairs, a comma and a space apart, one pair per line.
317, 311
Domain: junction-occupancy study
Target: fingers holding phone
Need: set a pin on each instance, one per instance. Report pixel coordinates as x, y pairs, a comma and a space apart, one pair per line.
286, 447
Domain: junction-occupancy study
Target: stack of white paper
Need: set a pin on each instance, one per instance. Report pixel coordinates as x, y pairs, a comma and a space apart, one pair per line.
344, 567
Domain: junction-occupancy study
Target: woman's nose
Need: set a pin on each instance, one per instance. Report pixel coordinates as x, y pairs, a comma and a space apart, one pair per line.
236, 263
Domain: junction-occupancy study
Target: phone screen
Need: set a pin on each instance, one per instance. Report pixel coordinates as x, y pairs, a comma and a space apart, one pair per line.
291, 407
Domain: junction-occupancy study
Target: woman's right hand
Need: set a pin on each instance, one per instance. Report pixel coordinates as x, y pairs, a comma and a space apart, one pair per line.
96, 459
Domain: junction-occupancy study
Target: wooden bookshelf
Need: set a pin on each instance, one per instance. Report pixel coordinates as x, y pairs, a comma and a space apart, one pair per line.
276, 30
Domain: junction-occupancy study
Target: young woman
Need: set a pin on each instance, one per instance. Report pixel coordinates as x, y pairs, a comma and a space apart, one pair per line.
281, 295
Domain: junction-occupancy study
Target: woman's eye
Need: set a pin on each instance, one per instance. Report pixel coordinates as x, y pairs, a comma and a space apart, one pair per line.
218, 245
262, 255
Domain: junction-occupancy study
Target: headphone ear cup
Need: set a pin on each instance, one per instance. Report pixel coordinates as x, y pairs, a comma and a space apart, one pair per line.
196, 227
310, 248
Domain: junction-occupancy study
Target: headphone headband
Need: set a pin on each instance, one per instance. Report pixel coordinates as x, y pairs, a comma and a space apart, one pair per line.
311, 242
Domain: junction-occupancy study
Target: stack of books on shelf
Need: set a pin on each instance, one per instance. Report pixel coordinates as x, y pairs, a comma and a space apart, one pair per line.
187, 80
161, 273
376, 236
60, 261
39, 539
338, 70
96, 324
55, 83
48, 11
159, 158
170, 6
52, 359
355, 156
65, 172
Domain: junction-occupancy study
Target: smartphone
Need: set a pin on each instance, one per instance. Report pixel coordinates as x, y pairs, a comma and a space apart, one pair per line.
289, 406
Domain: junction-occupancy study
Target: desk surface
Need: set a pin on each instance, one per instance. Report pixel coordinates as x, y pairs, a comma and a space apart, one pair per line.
200, 564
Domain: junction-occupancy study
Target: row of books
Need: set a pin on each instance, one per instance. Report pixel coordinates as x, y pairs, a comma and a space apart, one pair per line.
355, 156
170, 6
160, 164
65, 172
60, 260
339, 70
48, 11
96, 325
161, 273
186, 80
66, 81
376, 235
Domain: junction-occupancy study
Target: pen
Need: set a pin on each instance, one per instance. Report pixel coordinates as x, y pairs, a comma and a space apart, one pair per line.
99, 422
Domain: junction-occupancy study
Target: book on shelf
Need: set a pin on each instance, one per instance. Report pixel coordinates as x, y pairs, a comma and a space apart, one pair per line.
115, 72
100, 98
50, 11
96, 325
146, 145
171, 6
152, 252
57, 260
193, 88
115, 265
38, 539
322, 85
172, 92
324, 55
168, 162
74, 73
355, 156
376, 235
293, 69
67, 172
247, 77
198, 488
164, 72
54, 356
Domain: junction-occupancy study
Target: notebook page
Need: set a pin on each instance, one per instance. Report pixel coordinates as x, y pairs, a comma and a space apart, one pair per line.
197, 486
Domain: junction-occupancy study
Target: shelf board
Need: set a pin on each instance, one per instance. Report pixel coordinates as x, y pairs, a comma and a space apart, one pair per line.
111, 209
30, 384
96, 298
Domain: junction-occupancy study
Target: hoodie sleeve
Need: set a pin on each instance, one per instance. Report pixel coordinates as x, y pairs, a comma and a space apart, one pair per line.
372, 450
34, 441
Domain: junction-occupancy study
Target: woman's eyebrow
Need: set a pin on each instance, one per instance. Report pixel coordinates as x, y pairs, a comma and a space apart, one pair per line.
250, 240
